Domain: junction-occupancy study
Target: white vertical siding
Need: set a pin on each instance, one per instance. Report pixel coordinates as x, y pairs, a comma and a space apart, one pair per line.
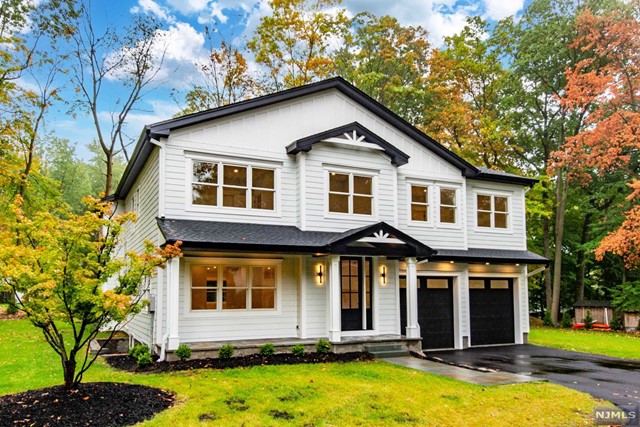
388, 318
316, 300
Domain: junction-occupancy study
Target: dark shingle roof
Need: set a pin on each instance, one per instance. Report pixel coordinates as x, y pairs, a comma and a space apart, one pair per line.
592, 303
500, 176
195, 234
489, 255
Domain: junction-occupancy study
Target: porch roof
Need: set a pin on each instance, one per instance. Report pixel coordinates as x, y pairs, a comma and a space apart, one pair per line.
374, 239
498, 256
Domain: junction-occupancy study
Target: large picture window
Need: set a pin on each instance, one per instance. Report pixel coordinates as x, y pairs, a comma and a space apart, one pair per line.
493, 211
233, 186
233, 287
350, 193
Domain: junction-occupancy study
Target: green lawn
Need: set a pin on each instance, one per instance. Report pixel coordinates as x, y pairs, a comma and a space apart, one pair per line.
363, 393
615, 344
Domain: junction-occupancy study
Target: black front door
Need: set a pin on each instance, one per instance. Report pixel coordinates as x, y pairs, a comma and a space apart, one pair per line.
435, 311
356, 296
491, 307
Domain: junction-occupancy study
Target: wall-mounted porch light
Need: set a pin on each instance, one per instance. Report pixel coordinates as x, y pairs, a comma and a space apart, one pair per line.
320, 274
383, 275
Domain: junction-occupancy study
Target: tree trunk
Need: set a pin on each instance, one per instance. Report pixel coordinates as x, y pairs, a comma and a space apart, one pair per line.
69, 368
109, 173
561, 199
582, 262
547, 254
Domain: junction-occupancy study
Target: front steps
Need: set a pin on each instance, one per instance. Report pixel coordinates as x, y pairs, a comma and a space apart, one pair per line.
385, 351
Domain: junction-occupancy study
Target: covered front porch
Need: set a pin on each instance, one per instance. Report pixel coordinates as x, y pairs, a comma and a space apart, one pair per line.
339, 286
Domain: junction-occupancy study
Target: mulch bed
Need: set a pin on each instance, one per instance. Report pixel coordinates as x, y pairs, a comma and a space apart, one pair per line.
128, 363
91, 404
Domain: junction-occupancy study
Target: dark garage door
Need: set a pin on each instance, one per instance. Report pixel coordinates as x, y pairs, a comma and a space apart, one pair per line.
491, 305
435, 311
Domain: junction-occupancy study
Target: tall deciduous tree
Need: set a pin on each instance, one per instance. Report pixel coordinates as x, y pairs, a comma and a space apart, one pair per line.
294, 43
57, 270
389, 62
225, 78
470, 80
133, 58
605, 86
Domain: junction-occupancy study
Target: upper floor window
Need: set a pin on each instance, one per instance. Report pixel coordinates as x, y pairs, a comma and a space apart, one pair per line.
493, 211
350, 193
227, 185
448, 206
419, 203
233, 287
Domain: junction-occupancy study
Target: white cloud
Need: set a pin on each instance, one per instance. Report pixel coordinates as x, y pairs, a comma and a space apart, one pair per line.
153, 8
188, 7
499, 9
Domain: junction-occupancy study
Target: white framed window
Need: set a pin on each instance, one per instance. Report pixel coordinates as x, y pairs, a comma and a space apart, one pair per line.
232, 185
222, 286
350, 193
420, 205
492, 211
448, 209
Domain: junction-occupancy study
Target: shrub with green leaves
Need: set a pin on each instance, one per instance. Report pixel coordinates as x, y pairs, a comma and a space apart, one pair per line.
617, 324
139, 349
566, 321
144, 359
183, 352
266, 349
588, 320
323, 346
12, 309
226, 351
547, 320
298, 350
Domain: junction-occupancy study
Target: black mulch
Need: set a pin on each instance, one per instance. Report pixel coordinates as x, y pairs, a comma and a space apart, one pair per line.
91, 404
128, 363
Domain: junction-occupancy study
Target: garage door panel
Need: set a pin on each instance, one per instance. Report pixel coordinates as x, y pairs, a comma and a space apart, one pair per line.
492, 316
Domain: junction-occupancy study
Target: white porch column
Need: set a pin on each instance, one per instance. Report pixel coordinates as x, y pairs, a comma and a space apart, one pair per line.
413, 328
173, 289
333, 283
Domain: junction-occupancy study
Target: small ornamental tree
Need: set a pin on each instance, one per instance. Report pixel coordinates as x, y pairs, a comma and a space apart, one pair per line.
68, 277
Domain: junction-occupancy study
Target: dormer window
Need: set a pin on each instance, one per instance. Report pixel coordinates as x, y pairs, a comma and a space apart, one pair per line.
232, 186
350, 193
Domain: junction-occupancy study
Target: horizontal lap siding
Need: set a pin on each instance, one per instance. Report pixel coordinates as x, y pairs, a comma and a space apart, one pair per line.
236, 325
497, 239
388, 317
145, 228
317, 311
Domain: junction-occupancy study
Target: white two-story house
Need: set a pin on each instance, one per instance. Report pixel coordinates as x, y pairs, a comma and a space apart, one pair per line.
318, 213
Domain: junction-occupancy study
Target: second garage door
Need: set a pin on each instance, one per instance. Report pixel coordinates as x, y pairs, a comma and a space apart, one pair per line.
491, 306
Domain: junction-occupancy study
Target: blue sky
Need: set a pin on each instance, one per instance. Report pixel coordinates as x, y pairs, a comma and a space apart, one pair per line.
184, 41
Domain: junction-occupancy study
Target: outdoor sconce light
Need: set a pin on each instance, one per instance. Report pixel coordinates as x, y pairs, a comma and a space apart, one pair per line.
320, 274
383, 275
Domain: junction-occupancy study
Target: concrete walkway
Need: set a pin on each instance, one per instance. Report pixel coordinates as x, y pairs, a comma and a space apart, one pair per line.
462, 374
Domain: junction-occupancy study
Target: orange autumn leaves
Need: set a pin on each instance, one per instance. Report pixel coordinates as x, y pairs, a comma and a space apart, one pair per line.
606, 88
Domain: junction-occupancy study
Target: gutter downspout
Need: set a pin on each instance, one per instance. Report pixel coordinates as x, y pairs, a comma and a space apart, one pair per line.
163, 347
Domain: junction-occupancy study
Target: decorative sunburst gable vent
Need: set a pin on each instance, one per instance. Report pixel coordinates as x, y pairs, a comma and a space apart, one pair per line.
352, 135
381, 237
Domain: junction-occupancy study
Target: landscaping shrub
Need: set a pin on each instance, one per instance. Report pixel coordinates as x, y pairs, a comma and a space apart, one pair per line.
138, 349
323, 346
617, 324
638, 327
183, 352
12, 309
266, 349
298, 350
547, 321
588, 320
144, 359
226, 351
142, 354
566, 321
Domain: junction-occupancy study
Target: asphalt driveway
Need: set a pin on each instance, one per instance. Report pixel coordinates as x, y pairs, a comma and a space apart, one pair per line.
609, 378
